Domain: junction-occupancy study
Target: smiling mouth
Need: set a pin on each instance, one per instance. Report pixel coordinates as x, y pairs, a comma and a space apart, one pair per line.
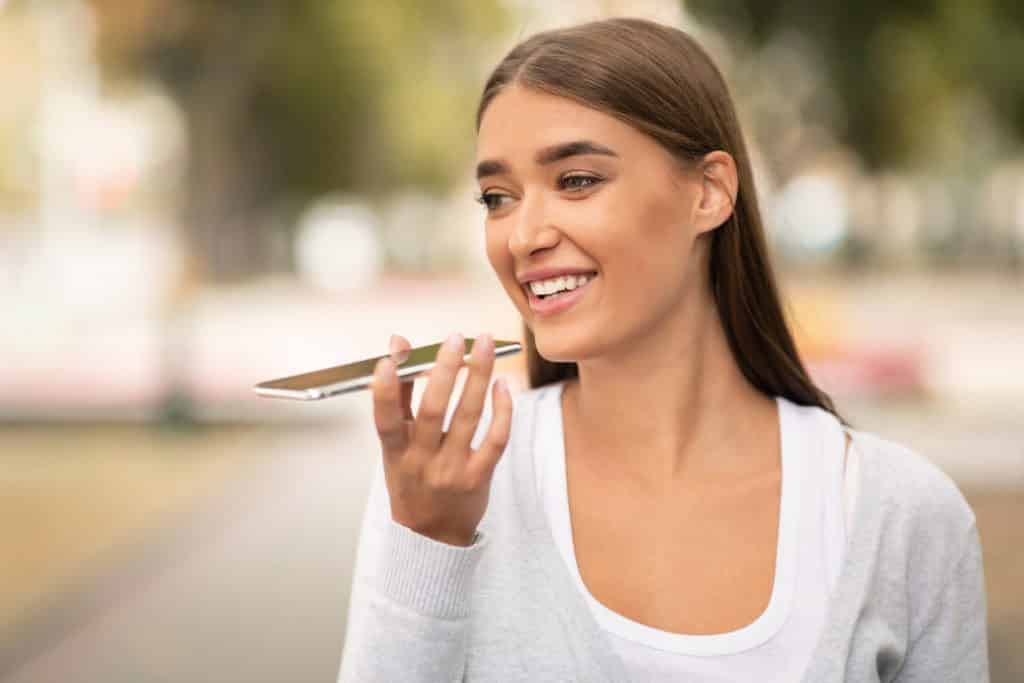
557, 295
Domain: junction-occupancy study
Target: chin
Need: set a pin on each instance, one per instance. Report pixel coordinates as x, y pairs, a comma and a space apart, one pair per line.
555, 348
557, 352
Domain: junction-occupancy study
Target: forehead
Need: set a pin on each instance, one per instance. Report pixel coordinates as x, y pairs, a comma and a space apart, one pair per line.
521, 119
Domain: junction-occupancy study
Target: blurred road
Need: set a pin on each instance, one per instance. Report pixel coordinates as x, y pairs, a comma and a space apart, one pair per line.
255, 589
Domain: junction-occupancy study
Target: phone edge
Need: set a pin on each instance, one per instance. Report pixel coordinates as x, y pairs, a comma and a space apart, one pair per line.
358, 383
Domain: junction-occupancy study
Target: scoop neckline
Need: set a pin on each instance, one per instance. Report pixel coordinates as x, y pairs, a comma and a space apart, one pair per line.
747, 637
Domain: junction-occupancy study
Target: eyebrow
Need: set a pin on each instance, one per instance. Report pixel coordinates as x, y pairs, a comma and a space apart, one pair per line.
548, 155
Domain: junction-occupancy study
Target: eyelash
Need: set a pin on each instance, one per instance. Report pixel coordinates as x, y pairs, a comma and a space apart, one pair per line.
485, 197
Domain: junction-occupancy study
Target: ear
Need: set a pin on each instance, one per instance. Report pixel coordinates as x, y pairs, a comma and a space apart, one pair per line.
719, 187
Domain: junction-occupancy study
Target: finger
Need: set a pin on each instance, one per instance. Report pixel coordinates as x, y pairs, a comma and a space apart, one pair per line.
483, 461
399, 347
434, 404
474, 393
388, 415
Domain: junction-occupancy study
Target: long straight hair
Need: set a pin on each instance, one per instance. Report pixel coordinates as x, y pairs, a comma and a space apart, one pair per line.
661, 82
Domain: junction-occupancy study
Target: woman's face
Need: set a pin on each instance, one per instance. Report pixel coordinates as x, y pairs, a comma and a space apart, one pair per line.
571, 188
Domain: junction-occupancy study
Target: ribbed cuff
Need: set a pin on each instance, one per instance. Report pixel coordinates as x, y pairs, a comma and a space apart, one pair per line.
425, 575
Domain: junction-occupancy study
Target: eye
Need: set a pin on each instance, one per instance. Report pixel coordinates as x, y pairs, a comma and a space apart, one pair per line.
491, 200
578, 181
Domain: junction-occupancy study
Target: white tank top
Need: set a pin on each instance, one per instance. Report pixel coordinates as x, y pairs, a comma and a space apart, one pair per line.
812, 534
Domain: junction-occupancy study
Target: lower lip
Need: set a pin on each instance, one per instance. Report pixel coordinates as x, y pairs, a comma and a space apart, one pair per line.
556, 304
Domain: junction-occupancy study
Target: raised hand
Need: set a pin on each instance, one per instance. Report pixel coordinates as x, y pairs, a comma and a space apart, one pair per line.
437, 484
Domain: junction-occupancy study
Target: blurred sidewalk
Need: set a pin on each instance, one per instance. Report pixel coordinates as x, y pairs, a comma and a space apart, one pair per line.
110, 369
957, 338
252, 586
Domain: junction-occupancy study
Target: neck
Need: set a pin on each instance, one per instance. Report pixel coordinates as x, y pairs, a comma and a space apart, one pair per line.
671, 405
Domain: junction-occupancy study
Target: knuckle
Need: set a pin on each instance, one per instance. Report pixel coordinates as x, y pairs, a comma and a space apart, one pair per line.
391, 444
482, 360
411, 472
498, 439
470, 413
382, 395
449, 476
388, 435
472, 482
431, 413
461, 484
450, 364
381, 423
441, 479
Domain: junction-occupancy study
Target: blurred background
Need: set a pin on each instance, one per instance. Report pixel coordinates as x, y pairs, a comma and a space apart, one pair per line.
198, 196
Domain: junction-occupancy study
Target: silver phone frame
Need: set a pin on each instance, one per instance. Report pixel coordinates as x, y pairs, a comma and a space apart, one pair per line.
405, 373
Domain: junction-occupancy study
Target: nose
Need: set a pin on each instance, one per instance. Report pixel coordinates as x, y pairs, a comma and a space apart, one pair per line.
532, 231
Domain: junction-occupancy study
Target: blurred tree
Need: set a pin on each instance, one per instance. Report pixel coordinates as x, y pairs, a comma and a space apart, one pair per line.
287, 99
900, 68
19, 63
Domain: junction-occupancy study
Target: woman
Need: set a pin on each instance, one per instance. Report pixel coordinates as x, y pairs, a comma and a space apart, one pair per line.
674, 498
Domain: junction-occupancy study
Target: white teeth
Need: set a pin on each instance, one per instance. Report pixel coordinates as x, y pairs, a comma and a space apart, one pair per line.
566, 282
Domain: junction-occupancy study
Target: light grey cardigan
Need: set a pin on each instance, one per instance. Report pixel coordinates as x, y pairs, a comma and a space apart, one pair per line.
909, 605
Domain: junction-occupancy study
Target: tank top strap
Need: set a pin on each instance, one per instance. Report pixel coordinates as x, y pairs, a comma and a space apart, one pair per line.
833, 448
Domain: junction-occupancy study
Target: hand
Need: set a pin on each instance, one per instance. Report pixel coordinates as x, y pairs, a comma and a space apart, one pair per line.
437, 484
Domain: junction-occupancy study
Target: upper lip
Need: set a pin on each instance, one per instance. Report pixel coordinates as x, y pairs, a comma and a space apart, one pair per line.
547, 273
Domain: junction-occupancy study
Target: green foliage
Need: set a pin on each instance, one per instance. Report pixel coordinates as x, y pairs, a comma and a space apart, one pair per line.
346, 95
901, 68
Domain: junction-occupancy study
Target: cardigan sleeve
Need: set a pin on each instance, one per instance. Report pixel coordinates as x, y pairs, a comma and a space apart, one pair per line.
953, 646
408, 617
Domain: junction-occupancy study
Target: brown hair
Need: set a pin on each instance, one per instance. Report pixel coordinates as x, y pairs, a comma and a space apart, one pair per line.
660, 81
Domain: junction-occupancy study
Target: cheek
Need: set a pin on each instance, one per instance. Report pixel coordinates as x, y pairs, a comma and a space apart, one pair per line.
496, 245
647, 255
649, 235
493, 255
501, 261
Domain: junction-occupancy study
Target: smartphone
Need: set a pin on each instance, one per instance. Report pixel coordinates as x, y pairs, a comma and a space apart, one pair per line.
341, 379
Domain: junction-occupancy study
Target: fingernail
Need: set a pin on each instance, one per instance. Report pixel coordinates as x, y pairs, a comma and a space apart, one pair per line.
486, 340
397, 354
454, 343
